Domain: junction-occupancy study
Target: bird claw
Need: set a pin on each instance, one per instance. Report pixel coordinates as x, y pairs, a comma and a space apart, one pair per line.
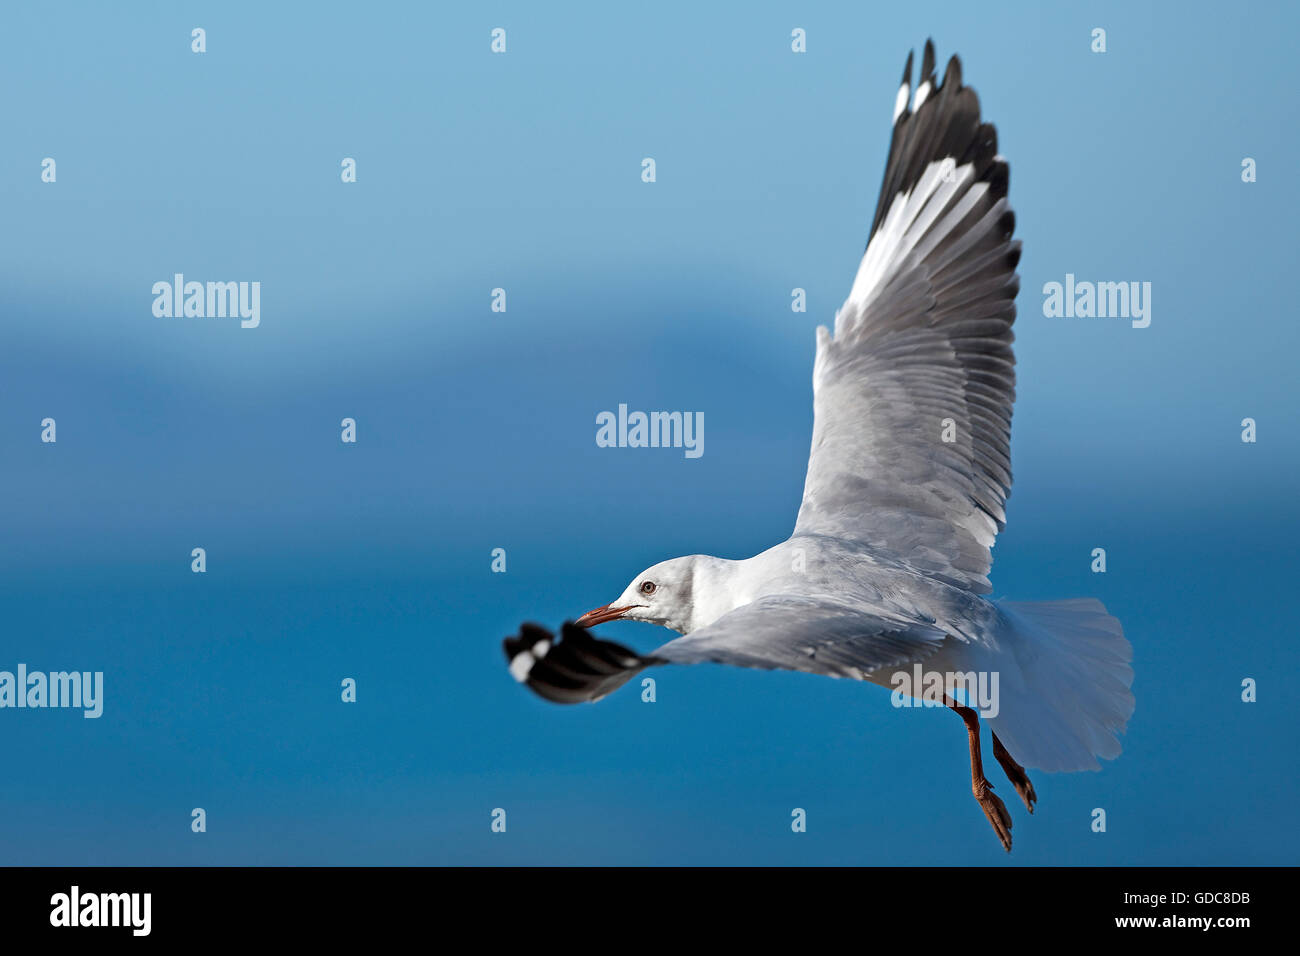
996, 811
1026, 791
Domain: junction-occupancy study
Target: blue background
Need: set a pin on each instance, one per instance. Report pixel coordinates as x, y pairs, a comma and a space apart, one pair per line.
476, 429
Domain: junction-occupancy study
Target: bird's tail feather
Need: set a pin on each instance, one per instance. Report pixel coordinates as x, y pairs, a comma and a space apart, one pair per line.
1069, 697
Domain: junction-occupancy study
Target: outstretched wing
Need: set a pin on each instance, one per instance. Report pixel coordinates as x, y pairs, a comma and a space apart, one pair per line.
818, 635
913, 396
786, 632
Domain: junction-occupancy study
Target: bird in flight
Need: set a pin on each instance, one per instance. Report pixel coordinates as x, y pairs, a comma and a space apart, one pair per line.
907, 483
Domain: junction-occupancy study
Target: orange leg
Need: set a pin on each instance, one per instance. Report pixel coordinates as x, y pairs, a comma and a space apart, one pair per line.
1016, 774
989, 802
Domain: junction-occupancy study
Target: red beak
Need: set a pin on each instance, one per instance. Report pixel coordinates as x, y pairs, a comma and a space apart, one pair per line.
602, 614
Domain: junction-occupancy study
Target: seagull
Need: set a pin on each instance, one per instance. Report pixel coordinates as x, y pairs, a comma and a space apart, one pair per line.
910, 469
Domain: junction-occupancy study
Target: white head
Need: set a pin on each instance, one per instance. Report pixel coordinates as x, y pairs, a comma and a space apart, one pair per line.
662, 594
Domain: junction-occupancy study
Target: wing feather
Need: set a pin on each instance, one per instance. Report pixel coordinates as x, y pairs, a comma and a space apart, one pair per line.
913, 396
814, 634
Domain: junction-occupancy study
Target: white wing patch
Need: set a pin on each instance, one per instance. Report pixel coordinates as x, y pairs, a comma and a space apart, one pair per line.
922, 92
522, 663
900, 103
909, 218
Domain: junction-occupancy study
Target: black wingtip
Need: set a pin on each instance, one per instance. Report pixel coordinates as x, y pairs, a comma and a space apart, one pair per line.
524, 649
999, 179
907, 69
952, 75
579, 668
945, 125
927, 62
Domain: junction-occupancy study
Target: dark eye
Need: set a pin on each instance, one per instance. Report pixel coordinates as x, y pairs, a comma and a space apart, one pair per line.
648, 587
